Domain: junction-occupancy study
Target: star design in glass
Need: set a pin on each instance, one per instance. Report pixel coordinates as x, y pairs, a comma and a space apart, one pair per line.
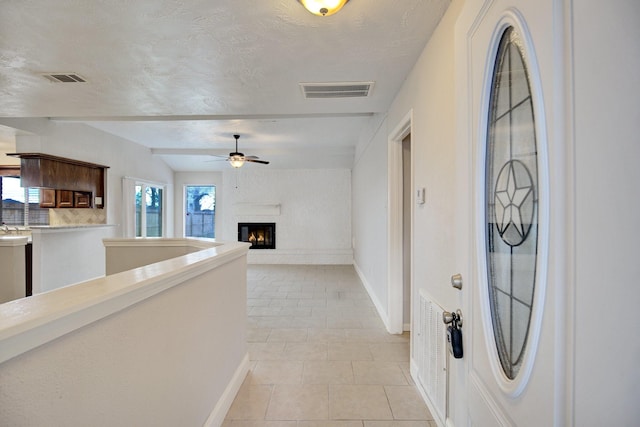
510, 197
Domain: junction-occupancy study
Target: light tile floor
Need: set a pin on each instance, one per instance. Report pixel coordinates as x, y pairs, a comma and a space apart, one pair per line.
320, 355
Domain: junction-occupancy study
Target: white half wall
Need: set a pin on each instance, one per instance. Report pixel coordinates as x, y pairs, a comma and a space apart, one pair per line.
12, 266
313, 222
159, 345
67, 255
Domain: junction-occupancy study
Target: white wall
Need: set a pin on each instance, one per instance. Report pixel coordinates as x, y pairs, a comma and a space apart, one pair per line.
314, 223
370, 215
607, 197
82, 142
429, 92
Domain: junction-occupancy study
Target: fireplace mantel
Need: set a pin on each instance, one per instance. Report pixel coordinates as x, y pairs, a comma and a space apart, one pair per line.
257, 208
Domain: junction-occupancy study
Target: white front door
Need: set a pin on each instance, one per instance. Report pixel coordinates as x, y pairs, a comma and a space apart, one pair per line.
513, 334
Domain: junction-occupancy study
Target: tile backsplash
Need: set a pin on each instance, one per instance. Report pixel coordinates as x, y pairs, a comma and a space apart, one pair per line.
77, 216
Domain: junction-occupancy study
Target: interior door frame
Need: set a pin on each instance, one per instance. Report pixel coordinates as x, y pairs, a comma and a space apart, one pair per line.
395, 256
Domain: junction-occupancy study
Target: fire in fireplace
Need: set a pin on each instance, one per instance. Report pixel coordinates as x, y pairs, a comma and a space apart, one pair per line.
261, 235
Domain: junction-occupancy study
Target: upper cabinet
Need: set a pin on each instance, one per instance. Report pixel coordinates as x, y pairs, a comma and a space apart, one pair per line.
50, 198
81, 199
64, 198
59, 173
47, 198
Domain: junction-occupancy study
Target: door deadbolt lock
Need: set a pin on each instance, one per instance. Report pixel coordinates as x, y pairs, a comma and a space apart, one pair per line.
456, 281
452, 317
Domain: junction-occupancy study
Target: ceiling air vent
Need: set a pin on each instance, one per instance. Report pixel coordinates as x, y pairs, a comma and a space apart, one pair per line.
65, 78
336, 90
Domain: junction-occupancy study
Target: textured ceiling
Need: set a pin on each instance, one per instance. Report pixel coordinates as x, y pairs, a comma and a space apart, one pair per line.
188, 74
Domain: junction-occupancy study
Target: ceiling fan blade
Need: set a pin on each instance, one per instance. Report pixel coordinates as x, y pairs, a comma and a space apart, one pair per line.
218, 157
236, 158
264, 162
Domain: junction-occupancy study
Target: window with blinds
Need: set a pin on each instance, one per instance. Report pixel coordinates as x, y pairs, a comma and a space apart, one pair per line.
20, 206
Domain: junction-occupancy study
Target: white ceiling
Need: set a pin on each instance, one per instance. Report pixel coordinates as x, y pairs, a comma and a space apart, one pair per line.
182, 76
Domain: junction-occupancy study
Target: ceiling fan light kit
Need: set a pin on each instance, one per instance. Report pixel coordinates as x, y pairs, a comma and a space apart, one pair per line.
237, 159
323, 7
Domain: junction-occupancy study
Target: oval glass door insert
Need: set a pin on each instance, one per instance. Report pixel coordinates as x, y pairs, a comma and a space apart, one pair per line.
511, 189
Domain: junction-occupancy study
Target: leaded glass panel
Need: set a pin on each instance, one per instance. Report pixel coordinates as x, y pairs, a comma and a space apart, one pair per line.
511, 203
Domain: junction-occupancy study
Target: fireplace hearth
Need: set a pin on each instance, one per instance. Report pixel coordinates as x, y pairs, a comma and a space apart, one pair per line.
261, 235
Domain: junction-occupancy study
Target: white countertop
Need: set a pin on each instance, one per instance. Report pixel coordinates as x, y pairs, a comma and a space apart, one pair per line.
70, 227
7, 240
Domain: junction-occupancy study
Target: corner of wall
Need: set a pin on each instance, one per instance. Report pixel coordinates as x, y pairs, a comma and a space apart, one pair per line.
382, 312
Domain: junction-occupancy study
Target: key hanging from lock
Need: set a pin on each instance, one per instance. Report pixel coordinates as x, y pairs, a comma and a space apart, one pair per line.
454, 333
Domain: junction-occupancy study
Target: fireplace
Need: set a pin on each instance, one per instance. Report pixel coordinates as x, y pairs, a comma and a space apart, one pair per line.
261, 235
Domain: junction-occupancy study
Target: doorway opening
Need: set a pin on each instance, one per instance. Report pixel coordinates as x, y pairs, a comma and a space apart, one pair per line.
400, 227
406, 232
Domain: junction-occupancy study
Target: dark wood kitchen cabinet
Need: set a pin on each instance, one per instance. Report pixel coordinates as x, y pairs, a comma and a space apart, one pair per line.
64, 199
51, 172
47, 198
81, 199
50, 198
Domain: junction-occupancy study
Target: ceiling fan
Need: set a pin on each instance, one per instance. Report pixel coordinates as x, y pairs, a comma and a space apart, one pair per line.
237, 159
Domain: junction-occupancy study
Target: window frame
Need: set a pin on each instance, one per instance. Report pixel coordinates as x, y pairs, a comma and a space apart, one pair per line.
14, 172
131, 202
184, 206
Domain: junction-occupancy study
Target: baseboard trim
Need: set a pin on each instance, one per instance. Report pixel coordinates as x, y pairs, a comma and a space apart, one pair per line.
301, 256
374, 298
216, 418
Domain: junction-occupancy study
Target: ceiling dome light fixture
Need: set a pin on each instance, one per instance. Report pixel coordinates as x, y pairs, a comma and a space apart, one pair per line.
323, 7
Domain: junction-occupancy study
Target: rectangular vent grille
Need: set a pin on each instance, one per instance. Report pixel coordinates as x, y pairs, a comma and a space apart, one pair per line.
65, 78
430, 354
336, 90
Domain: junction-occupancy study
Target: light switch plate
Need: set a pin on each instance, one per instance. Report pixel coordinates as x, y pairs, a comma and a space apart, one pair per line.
420, 196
